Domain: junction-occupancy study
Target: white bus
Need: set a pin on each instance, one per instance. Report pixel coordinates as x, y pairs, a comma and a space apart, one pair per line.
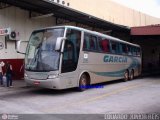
66, 56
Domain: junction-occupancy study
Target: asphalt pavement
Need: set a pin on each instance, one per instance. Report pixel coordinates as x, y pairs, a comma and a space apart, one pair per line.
137, 97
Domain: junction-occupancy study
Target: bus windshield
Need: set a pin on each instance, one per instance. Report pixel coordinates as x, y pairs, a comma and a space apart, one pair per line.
41, 54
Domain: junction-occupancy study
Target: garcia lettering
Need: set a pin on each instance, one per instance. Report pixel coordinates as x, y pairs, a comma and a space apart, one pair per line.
115, 59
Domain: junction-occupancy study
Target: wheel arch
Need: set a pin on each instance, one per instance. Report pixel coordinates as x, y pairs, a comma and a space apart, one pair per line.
88, 76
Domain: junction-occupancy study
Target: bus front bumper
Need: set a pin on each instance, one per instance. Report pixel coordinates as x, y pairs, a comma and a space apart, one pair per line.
48, 83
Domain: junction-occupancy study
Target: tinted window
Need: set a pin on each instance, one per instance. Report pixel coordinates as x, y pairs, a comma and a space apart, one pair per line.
115, 47
103, 45
134, 51
90, 42
123, 48
130, 50
138, 51
71, 51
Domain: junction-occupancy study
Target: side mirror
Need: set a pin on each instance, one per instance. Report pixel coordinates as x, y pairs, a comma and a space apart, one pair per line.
59, 43
21, 46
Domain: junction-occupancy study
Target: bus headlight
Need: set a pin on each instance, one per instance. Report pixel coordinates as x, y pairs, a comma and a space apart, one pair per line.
52, 76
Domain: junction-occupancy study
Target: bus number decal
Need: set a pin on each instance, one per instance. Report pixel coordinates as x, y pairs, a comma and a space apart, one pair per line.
85, 58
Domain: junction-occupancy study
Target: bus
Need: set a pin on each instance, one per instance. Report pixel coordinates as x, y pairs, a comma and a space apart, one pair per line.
64, 57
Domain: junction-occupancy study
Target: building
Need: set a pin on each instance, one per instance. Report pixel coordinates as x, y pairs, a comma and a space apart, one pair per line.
148, 37
23, 16
113, 12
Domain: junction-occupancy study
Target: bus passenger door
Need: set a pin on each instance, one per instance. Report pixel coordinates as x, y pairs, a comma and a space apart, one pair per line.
69, 67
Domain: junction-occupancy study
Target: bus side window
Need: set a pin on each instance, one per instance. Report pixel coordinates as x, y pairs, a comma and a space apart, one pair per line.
129, 50
93, 43
115, 47
86, 42
75, 37
120, 48
124, 48
134, 51
104, 45
138, 52
89, 43
71, 50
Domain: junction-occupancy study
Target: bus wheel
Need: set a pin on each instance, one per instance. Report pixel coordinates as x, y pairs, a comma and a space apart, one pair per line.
83, 83
126, 76
132, 75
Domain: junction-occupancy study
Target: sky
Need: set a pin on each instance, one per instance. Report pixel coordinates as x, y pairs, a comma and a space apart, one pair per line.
150, 7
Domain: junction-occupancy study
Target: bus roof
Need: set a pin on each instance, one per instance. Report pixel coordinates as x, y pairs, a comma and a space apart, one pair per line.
93, 32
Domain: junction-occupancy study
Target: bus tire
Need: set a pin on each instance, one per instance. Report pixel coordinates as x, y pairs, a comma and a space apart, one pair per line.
132, 75
126, 76
83, 83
